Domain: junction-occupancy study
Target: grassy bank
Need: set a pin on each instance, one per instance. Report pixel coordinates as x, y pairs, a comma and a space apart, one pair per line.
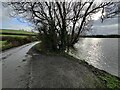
10, 40
106, 79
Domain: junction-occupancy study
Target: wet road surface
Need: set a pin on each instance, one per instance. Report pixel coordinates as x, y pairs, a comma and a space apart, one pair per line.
15, 71
21, 70
0, 75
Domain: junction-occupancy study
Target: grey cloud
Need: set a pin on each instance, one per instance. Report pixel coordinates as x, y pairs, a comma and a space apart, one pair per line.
109, 26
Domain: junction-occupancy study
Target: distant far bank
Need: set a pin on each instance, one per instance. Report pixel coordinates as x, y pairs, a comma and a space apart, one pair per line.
101, 36
24, 32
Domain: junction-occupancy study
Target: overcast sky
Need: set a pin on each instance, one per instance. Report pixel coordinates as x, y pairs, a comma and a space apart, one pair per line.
109, 26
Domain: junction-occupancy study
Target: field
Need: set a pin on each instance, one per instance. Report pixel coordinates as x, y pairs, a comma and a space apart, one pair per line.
15, 31
11, 38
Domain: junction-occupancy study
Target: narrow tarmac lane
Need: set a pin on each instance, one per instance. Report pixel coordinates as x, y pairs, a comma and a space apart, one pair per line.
33, 70
15, 62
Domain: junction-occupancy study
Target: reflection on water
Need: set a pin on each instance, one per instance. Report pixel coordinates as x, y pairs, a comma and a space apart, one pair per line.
99, 52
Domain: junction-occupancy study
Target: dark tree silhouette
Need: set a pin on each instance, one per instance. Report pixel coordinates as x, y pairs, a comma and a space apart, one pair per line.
60, 23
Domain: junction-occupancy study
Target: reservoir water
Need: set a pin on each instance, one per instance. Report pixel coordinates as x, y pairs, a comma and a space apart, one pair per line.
102, 53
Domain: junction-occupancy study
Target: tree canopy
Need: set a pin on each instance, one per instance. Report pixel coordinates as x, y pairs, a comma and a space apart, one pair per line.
61, 23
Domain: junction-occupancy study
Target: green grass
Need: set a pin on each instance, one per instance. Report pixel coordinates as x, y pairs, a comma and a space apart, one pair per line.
111, 81
12, 35
4, 44
10, 42
13, 38
15, 31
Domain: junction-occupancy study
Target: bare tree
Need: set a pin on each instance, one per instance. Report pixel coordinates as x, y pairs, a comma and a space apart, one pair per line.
61, 23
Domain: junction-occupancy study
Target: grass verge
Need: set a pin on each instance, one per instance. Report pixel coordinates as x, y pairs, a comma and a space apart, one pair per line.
8, 42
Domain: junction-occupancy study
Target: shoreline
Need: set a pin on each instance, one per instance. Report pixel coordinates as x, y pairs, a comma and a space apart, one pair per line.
108, 80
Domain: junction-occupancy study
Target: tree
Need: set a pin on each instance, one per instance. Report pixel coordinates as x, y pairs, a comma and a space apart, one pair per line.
61, 23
